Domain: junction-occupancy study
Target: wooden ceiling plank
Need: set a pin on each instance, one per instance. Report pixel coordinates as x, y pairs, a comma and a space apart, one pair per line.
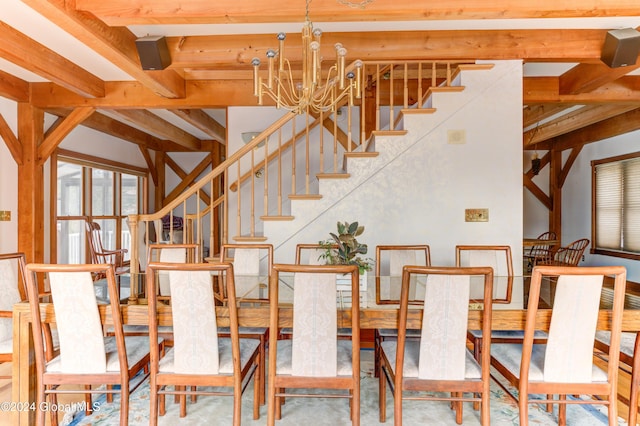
13, 88
585, 78
128, 12
160, 127
54, 138
46, 63
203, 121
11, 141
115, 44
574, 120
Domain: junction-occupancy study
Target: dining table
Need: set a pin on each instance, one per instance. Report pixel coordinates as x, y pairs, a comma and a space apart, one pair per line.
509, 313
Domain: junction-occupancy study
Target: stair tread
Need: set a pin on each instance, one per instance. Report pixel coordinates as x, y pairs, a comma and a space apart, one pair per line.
389, 132
418, 110
359, 154
277, 217
305, 196
333, 175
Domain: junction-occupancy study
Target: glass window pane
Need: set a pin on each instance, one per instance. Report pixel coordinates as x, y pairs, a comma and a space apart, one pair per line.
69, 189
129, 194
108, 233
71, 241
126, 239
102, 192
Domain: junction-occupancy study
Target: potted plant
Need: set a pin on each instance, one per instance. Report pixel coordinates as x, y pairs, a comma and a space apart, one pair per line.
344, 249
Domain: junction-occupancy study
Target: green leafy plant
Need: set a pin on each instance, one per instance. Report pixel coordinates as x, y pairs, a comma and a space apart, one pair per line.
343, 248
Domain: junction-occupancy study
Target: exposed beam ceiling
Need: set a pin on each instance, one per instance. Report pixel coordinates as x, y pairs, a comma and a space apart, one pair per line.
212, 44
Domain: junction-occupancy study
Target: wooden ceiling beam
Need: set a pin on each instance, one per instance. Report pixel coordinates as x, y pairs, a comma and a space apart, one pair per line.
116, 44
618, 125
188, 180
55, 137
159, 126
203, 121
11, 141
532, 114
128, 12
585, 78
117, 129
13, 88
46, 63
132, 95
546, 90
152, 168
574, 120
228, 52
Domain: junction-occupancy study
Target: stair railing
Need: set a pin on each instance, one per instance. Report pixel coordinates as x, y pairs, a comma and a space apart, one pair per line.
292, 159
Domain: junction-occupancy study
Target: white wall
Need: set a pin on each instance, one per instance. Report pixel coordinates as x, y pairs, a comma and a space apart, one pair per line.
421, 196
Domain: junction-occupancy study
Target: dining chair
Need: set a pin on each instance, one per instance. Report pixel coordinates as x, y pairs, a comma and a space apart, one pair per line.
499, 258
101, 255
171, 253
390, 259
251, 269
310, 254
200, 358
314, 358
539, 251
86, 356
439, 361
564, 364
12, 291
570, 255
629, 356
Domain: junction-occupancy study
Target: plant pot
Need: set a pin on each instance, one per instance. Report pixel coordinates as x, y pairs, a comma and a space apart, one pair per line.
343, 288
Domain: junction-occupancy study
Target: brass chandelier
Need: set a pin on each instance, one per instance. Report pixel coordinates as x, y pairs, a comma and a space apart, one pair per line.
314, 91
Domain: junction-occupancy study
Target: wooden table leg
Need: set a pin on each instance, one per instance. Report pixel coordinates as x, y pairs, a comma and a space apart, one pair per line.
23, 383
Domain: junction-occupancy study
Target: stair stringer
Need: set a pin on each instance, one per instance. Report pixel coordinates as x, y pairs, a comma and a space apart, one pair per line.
419, 127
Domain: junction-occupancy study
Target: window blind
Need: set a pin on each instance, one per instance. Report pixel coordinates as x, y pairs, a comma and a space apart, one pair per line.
617, 207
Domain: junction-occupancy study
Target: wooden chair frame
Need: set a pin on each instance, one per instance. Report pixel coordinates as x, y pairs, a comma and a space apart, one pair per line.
378, 336
48, 382
100, 255
186, 384
540, 251
567, 256
279, 383
609, 389
259, 333
393, 375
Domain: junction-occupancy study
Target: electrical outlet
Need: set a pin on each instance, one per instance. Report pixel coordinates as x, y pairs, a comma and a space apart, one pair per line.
583, 257
5, 215
476, 215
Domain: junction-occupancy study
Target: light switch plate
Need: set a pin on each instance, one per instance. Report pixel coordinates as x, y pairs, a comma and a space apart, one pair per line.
5, 215
476, 215
457, 137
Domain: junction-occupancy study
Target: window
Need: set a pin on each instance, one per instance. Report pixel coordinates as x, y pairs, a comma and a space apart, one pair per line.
616, 206
103, 192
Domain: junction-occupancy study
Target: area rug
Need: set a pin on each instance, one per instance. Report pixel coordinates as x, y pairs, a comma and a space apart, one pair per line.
328, 411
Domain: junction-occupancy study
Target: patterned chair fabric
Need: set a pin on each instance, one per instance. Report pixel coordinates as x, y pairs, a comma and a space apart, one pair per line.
439, 360
200, 357
565, 361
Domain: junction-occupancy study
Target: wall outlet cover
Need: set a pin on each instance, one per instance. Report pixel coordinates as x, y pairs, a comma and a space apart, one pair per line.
476, 215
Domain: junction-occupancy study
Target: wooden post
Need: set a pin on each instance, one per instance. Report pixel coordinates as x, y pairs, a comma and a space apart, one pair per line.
555, 192
159, 193
31, 184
